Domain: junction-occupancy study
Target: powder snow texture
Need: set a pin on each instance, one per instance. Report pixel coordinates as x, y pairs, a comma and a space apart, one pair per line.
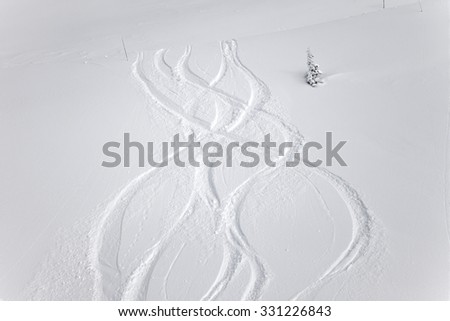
72, 230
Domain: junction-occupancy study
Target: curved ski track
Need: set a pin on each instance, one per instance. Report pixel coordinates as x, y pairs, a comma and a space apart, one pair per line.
179, 91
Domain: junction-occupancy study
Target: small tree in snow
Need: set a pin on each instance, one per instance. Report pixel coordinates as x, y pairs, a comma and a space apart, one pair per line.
313, 75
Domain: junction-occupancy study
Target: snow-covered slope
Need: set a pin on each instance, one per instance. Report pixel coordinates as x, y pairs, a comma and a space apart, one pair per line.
72, 229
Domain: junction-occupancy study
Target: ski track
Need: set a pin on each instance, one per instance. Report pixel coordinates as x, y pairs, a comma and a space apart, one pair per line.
179, 92
166, 277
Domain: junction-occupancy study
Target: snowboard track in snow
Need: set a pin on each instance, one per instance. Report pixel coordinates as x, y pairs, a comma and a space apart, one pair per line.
177, 91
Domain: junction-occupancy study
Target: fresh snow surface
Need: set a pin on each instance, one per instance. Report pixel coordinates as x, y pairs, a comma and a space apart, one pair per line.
71, 229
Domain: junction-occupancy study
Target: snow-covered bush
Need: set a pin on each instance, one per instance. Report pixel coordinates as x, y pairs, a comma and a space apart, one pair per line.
313, 76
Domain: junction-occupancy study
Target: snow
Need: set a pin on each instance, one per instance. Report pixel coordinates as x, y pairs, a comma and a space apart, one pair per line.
73, 230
